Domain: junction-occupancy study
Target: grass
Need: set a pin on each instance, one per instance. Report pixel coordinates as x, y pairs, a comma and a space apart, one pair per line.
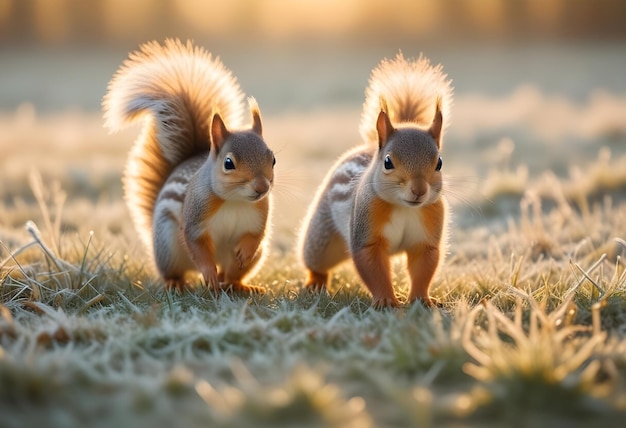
531, 332
89, 336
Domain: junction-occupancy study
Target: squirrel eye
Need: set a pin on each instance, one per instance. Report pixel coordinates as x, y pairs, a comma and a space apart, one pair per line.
273, 160
228, 163
388, 164
439, 164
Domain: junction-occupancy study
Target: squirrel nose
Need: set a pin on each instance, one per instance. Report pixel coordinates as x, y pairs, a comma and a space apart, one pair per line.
260, 185
418, 190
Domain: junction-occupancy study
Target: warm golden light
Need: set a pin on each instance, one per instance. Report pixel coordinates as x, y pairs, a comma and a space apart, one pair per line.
51, 21
212, 17
104, 20
545, 13
5, 12
279, 18
487, 16
120, 16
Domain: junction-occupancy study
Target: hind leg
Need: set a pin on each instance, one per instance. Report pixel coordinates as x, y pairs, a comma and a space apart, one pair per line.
323, 248
170, 254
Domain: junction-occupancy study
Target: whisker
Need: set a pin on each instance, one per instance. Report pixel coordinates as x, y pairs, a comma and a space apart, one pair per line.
463, 191
291, 183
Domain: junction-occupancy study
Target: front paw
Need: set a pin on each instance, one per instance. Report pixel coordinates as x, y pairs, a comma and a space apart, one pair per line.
211, 278
239, 288
244, 257
385, 302
177, 284
315, 287
429, 302
316, 282
247, 251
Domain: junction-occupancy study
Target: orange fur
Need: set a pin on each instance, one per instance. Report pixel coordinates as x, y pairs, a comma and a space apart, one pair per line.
422, 261
380, 212
215, 203
316, 281
372, 262
433, 217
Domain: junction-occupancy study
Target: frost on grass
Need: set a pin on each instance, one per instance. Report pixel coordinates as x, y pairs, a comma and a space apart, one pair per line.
531, 330
552, 365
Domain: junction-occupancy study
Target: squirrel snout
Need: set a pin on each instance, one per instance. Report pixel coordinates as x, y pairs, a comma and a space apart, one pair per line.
418, 191
260, 186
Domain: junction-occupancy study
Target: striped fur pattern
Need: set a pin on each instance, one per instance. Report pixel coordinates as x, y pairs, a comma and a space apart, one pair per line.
173, 259
383, 199
175, 88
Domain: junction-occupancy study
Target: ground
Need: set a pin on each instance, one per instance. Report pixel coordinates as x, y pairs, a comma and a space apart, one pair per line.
530, 332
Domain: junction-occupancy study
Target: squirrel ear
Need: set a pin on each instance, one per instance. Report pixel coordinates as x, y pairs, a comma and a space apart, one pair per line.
435, 127
384, 128
219, 133
257, 127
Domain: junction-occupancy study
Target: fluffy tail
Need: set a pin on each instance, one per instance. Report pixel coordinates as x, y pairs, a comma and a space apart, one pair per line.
176, 88
410, 89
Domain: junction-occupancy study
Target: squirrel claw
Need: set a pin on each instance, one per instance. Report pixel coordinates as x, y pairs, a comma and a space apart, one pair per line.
177, 284
387, 302
429, 302
211, 277
315, 287
242, 260
316, 282
239, 288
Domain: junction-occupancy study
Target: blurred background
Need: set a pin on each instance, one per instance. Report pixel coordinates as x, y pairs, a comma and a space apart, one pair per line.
540, 87
60, 54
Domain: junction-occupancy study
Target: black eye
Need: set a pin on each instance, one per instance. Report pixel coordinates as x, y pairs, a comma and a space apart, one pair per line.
388, 163
273, 160
439, 164
228, 163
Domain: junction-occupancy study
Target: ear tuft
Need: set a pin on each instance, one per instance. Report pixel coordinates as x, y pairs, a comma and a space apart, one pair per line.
384, 127
257, 126
219, 132
437, 125
383, 104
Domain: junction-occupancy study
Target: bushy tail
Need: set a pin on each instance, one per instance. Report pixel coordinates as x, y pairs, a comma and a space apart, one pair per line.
410, 89
176, 88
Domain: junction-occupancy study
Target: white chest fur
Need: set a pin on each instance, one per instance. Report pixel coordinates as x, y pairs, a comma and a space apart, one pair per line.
231, 221
404, 229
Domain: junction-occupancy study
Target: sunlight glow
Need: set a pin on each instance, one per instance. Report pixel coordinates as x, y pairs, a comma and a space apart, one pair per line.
51, 20
362, 20
279, 18
120, 17
213, 17
5, 12
488, 17
545, 13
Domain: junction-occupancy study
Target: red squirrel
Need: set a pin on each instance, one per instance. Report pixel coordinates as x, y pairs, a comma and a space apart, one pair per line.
385, 197
197, 184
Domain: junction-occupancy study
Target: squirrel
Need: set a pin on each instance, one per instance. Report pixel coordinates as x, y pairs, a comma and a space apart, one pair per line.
385, 196
196, 183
